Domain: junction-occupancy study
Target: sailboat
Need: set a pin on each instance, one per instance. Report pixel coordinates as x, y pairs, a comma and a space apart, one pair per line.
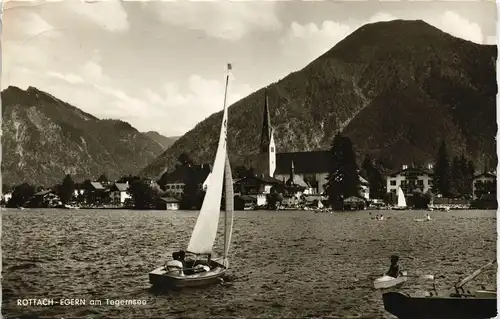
198, 268
401, 200
456, 304
319, 208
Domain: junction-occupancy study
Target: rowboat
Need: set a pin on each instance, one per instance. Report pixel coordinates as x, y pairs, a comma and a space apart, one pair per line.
426, 219
445, 307
455, 304
199, 268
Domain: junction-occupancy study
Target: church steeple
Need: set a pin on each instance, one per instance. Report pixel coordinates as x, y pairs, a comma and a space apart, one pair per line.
267, 146
265, 137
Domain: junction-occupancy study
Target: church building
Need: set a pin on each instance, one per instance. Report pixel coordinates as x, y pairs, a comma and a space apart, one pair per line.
306, 169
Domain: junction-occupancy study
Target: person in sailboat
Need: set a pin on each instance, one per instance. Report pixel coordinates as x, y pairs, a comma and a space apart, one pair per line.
177, 264
394, 269
180, 256
204, 267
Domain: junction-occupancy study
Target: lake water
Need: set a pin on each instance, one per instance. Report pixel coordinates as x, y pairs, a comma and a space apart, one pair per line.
289, 264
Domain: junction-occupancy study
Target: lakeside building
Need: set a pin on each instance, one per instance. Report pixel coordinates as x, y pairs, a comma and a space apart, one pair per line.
168, 203
6, 197
45, 198
255, 189
410, 179
484, 184
175, 181
118, 193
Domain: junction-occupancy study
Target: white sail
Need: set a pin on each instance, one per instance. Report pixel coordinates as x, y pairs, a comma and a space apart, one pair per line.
228, 214
320, 204
401, 198
205, 230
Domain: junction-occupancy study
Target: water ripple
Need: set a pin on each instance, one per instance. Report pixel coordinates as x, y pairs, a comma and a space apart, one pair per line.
284, 264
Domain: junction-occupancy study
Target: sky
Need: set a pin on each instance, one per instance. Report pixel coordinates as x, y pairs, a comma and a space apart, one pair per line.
161, 65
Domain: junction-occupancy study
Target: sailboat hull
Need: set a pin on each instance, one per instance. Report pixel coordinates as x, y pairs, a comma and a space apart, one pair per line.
162, 279
406, 307
400, 208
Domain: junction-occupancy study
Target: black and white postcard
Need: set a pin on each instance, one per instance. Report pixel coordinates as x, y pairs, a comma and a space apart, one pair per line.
249, 159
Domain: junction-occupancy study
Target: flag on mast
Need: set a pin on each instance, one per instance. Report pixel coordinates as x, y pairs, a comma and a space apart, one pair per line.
229, 71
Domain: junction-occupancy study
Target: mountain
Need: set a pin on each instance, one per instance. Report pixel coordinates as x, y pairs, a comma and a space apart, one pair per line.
164, 141
396, 88
45, 138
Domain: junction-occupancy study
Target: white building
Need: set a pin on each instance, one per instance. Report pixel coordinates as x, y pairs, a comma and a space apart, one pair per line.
409, 179
119, 193
484, 184
365, 188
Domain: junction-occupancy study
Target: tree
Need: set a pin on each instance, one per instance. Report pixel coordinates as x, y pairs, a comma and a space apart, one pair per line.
193, 194
242, 171
374, 177
128, 179
66, 189
274, 199
142, 194
442, 172
102, 179
461, 176
342, 180
6, 188
185, 159
21, 195
456, 178
470, 172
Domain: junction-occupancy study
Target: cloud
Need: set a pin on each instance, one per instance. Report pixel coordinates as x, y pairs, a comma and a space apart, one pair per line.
229, 20
491, 39
70, 77
172, 109
93, 72
379, 17
108, 14
458, 26
304, 43
21, 23
307, 42
201, 97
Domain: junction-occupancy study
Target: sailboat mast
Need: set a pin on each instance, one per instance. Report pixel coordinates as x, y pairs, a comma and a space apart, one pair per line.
225, 167
205, 230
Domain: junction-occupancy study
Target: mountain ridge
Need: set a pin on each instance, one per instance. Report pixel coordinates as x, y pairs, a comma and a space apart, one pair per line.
360, 83
164, 141
45, 138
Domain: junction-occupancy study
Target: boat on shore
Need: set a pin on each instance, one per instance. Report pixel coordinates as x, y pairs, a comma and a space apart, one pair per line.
455, 304
199, 269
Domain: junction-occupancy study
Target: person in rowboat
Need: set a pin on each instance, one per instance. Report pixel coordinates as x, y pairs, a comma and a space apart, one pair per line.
394, 269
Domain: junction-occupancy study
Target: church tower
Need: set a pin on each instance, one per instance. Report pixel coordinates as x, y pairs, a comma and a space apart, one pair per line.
267, 145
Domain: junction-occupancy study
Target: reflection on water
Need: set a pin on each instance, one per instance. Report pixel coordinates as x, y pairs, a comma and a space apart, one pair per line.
284, 264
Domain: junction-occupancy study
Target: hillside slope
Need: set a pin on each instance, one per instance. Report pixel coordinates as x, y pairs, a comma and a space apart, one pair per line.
44, 138
395, 88
164, 141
